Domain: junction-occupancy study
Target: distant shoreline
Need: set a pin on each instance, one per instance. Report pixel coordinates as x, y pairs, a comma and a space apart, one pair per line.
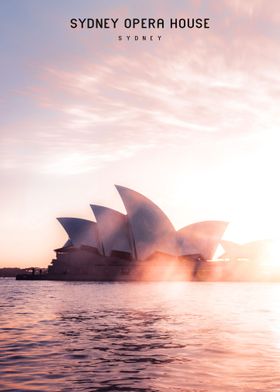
11, 272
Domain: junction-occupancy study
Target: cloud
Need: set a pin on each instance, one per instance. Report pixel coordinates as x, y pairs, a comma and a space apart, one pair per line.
208, 87
192, 121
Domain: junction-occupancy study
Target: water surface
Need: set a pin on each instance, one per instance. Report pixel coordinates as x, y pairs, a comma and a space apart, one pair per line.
148, 337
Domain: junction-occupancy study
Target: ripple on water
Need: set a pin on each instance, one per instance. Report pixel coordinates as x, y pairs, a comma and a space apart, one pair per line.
58, 336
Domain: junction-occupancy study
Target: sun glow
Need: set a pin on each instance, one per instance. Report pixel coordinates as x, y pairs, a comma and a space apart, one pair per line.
271, 257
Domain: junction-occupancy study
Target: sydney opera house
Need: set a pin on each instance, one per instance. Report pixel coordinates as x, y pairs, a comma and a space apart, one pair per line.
139, 245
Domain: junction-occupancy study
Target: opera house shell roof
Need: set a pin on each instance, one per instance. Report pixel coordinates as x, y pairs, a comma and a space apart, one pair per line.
143, 231
113, 229
255, 250
81, 232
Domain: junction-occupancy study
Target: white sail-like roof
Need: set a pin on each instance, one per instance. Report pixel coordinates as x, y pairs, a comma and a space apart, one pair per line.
113, 229
254, 250
67, 244
81, 231
151, 229
201, 237
232, 249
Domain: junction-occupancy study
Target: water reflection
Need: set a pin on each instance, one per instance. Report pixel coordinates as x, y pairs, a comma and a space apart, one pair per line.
59, 336
119, 348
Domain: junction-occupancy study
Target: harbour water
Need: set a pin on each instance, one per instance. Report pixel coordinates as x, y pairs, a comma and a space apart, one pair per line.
148, 337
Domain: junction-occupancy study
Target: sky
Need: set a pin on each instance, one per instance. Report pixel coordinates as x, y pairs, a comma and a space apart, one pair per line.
191, 121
